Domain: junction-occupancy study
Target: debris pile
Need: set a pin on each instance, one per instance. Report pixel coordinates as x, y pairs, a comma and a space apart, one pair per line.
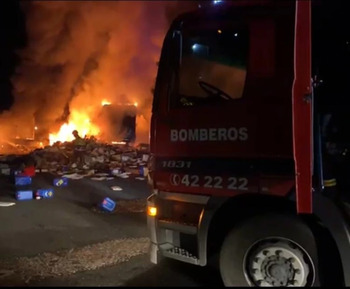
100, 160
100, 157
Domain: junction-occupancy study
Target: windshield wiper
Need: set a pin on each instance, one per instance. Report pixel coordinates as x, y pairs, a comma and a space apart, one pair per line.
213, 91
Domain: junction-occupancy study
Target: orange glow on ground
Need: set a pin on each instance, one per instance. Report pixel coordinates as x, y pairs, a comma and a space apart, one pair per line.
78, 121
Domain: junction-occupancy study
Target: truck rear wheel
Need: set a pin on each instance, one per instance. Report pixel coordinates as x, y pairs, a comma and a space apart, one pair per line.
269, 250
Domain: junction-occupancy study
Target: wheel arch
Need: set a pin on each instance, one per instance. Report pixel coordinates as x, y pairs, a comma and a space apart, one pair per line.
240, 207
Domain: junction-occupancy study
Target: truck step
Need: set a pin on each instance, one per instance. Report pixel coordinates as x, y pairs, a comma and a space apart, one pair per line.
186, 228
179, 254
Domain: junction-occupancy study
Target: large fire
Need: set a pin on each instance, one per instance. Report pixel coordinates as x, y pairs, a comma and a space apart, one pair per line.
78, 121
81, 122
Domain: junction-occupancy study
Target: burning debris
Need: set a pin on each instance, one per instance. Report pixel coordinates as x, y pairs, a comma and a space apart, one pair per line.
84, 156
95, 158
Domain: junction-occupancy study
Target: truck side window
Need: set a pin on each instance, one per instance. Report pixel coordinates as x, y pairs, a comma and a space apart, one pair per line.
213, 65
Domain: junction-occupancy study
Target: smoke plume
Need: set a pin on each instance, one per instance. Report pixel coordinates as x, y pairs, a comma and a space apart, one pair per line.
79, 53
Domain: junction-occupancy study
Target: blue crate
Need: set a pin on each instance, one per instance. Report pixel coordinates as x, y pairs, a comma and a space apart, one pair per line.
24, 195
141, 171
22, 180
60, 182
108, 205
44, 193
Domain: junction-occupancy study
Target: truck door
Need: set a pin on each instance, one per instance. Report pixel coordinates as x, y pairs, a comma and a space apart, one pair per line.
222, 116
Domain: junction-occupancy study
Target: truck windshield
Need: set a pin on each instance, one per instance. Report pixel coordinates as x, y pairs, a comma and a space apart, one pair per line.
213, 64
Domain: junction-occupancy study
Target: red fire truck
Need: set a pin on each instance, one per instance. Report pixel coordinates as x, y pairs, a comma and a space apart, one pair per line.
249, 141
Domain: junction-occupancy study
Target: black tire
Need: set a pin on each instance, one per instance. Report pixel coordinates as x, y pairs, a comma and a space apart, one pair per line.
241, 239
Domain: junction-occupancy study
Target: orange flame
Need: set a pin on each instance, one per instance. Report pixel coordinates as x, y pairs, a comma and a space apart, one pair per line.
78, 121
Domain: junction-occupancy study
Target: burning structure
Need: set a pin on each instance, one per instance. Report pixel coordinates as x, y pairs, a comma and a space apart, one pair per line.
79, 54
121, 121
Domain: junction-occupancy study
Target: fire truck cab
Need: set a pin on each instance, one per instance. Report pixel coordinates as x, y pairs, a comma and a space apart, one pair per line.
249, 143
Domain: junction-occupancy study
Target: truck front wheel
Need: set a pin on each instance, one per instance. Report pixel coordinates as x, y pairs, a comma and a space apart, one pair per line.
269, 250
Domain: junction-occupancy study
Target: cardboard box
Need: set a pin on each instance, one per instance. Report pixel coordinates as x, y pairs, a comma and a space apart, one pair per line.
145, 171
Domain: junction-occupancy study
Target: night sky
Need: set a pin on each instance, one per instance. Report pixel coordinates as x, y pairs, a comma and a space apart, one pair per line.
12, 35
